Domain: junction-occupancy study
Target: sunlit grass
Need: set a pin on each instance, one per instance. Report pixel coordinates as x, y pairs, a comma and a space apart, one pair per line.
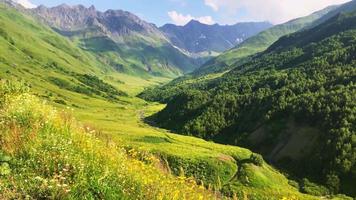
111, 153
54, 157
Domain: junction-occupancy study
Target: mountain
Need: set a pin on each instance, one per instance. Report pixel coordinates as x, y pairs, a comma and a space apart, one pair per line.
35, 53
196, 37
259, 43
118, 38
47, 81
294, 103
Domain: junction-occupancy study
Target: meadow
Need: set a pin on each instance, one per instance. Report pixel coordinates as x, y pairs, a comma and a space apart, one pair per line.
63, 137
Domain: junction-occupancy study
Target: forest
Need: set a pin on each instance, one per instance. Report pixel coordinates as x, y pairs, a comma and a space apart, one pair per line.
308, 77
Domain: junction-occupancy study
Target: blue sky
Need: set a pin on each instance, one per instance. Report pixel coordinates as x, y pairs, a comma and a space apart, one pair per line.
207, 11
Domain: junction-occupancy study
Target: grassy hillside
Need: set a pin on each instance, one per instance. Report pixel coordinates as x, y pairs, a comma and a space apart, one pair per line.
294, 103
46, 154
37, 54
258, 43
111, 153
138, 58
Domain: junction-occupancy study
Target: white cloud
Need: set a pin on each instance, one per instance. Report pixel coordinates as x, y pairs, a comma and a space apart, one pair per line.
213, 4
181, 19
276, 11
25, 3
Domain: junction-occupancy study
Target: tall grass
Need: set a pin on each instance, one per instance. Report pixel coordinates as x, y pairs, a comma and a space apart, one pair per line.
46, 154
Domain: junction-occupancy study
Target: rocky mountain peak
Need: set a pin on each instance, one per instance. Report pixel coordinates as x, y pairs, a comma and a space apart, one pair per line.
196, 37
193, 22
78, 17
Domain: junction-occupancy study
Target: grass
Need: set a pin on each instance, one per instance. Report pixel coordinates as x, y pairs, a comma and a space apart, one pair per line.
111, 153
51, 156
206, 161
108, 131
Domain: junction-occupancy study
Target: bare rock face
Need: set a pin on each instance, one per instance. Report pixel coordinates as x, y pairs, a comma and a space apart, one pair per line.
76, 18
66, 17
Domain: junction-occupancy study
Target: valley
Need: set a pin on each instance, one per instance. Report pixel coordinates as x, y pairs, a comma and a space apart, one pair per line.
104, 105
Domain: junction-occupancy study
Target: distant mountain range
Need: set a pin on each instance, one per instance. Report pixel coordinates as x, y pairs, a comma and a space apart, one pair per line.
196, 37
134, 46
259, 43
118, 38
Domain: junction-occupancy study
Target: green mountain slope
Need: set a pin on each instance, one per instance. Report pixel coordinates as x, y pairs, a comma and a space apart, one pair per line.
111, 153
118, 38
258, 43
236, 56
35, 53
294, 103
347, 7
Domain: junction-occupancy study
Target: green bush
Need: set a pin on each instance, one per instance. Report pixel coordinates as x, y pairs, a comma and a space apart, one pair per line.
4, 164
89, 85
333, 183
313, 189
256, 159
293, 183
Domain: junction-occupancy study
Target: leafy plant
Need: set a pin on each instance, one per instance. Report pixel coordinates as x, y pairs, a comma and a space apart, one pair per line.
4, 164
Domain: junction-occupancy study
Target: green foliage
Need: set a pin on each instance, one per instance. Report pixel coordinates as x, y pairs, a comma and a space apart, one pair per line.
53, 157
258, 43
333, 183
293, 183
308, 77
98, 86
6, 36
89, 85
256, 159
4, 168
313, 189
9, 87
4, 164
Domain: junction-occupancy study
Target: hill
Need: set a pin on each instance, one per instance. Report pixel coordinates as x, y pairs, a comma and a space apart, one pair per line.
294, 103
46, 154
258, 43
198, 38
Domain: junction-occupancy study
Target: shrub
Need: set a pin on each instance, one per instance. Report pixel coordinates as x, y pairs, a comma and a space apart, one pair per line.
4, 164
313, 189
60, 101
333, 183
293, 183
256, 159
